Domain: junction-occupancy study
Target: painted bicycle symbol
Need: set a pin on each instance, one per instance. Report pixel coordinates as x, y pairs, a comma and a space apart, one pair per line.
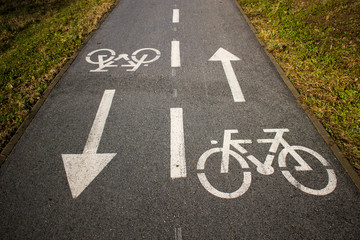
105, 58
264, 168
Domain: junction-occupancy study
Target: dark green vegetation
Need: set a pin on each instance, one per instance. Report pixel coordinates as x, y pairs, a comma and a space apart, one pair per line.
37, 37
317, 43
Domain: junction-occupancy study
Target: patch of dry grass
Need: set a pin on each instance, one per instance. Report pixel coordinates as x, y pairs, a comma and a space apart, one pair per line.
317, 43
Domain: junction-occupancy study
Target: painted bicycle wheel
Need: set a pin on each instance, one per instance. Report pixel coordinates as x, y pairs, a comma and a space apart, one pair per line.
244, 186
331, 177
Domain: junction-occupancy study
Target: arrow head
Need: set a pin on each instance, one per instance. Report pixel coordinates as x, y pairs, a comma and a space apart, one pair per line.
82, 169
224, 56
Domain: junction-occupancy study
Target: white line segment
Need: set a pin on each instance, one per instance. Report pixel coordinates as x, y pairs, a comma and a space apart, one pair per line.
178, 235
177, 144
175, 54
97, 128
176, 16
233, 82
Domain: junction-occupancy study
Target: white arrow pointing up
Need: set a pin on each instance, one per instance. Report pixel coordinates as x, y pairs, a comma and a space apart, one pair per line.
81, 169
225, 58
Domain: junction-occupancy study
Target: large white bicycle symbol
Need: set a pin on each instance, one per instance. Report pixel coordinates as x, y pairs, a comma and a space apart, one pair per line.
105, 58
266, 167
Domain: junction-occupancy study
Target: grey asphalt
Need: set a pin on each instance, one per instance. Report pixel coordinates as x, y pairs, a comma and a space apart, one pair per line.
134, 196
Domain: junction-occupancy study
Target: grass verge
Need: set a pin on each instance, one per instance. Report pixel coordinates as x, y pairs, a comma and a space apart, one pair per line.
37, 37
317, 44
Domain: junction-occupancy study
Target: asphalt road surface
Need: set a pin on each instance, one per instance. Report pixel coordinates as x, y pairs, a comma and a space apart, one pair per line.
172, 123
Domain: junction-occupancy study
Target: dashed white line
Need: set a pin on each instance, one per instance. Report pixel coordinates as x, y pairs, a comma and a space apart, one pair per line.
177, 144
178, 235
176, 16
175, 54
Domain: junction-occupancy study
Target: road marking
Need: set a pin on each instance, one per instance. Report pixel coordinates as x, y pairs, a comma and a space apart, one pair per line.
242, 189
176, 16
263, 167
82, 169
226, 57
97, 128
177, 144
175, 54
329, 188
103, 61
332, 181
178, 235
138, 58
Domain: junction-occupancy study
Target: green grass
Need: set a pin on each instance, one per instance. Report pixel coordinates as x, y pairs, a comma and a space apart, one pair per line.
37, 37
317, 43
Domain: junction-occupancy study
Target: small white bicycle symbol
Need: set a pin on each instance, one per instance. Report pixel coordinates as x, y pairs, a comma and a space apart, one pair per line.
105, 58
263, 168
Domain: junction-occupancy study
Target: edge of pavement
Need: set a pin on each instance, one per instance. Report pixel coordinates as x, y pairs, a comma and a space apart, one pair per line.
20, 131
319, 127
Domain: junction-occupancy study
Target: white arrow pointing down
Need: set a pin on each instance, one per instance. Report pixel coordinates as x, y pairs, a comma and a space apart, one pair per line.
225, 58
82, 169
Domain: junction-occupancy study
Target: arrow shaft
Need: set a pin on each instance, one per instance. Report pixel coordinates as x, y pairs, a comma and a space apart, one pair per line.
233, 82
97, 128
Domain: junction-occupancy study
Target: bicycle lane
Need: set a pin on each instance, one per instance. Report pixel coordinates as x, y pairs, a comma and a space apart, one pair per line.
272, 207
135, 196
96, 113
